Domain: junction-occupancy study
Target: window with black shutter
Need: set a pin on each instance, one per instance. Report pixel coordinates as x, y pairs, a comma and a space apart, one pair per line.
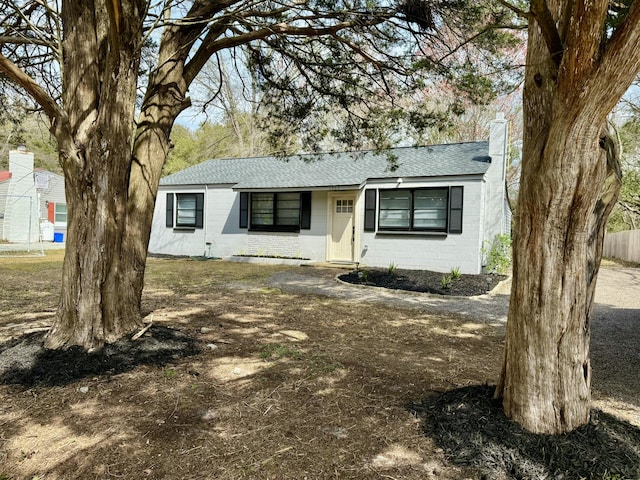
279, 211
420, 209
370, 210
185, 210
432, 209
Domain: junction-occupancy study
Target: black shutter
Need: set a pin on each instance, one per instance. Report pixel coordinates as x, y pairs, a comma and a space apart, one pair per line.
455, 209
370, 210
305, 210
169, 220
244, 209
199, 210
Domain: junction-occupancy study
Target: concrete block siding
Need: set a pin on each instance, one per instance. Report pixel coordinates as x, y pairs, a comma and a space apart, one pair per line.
478, 167
436, 252
223, 237
282, 244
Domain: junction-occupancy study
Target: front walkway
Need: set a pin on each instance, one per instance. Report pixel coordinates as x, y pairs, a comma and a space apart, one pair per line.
491, 308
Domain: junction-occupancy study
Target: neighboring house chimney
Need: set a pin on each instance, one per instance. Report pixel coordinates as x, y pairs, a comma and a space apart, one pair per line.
21, 212
497, 215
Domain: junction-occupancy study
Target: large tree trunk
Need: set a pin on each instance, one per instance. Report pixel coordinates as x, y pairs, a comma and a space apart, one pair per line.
569, 183
165, 100
112, 170
101, 60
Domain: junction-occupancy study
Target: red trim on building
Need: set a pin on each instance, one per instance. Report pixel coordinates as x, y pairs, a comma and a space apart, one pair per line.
51, 212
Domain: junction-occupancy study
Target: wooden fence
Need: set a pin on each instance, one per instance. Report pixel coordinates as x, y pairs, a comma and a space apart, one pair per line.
623, 245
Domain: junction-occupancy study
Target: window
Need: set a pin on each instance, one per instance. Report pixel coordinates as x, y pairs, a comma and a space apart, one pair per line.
430, 209
344, 206
185, 210
275, 211
60, 214
422, 210
395, 210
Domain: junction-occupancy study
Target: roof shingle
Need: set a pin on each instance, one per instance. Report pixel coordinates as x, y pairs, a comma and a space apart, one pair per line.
337, 169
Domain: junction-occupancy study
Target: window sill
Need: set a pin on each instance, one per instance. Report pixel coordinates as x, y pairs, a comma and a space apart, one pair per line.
184, 229
395, 233
275, 229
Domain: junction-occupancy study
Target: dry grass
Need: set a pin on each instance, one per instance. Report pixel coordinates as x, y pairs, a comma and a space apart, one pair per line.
285, 386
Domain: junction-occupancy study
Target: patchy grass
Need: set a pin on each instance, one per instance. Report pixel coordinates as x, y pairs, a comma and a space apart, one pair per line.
237, 380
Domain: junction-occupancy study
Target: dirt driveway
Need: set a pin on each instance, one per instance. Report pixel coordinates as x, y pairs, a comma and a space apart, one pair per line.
615, 336
615, 339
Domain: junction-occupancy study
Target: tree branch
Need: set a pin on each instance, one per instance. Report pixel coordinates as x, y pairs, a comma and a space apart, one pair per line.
14, 73
629, 207
212, 44
5, 39
620, 62
547, 25
516, 10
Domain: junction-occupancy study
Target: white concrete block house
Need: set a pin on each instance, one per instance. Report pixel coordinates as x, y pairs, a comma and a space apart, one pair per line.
434, 212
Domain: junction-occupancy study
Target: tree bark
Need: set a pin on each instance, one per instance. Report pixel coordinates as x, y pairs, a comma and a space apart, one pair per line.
569, 184
101, 61
112, 164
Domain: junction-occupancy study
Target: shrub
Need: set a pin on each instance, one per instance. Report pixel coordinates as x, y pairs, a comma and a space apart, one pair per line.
455, 273
445, 281
393, 269
363, 276
498, 254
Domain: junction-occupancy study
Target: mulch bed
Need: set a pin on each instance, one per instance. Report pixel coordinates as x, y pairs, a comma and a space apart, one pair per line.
424, 281
25, 362
471, 428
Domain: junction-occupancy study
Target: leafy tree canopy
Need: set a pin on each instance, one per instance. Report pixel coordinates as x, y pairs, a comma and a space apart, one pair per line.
343, 72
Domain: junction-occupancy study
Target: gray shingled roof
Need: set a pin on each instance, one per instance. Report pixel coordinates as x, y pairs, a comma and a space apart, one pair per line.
337, 169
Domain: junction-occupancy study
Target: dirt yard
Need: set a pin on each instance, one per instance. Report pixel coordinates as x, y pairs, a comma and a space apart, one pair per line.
238, 379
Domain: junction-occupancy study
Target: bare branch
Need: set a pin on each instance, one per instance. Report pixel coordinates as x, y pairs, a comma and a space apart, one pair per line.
12, 71
620, 62
212, 44
516, 10
541, 13
25, 41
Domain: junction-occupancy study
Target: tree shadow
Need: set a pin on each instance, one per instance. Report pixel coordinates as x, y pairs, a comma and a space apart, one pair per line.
470, 426
24, 361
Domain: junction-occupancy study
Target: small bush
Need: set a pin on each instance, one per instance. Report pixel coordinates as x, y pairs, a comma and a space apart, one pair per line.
498, 254
445, 281
455, 273
363, 276
393, 269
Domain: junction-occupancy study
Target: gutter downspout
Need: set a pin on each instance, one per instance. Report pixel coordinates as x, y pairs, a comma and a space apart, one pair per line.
207, 245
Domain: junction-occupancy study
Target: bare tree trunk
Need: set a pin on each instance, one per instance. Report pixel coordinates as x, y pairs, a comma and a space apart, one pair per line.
165, 100
95, 143
112, 172
570, 181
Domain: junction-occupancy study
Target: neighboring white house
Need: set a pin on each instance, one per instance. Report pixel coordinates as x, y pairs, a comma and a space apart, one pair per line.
435, 211
29, 199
